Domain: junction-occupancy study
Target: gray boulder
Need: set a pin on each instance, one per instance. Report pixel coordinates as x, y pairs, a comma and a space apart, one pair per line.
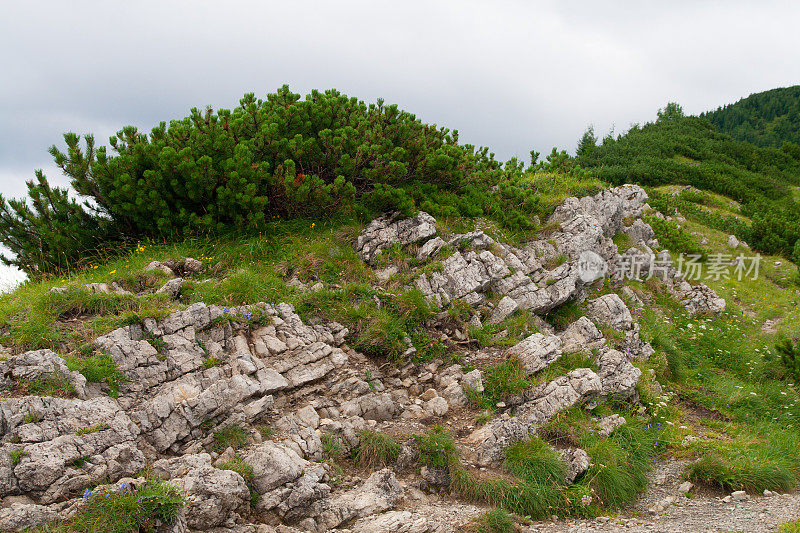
387, 231
22, 517
537, 352
577, 462
39, 364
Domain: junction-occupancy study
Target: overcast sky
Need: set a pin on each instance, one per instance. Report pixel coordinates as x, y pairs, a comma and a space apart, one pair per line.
509, 75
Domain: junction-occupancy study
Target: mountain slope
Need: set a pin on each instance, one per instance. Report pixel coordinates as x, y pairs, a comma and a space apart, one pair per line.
678, 150
769, 118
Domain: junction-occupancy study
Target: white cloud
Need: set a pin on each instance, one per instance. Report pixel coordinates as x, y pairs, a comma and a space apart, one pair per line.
511, 75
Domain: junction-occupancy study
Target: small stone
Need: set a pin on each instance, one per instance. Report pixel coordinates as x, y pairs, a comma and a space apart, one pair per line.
171, 288
738, 495
437, 407
473, 380
428, 395
503, 310
192, 265
685, 487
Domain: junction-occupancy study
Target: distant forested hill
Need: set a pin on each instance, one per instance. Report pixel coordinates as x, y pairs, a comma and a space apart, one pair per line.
687, 150
769, 118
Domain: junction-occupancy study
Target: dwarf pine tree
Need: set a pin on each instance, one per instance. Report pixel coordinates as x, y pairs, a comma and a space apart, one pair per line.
48, 231
235, 170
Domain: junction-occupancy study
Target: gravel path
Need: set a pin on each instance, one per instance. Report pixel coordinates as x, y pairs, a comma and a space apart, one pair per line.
701, 513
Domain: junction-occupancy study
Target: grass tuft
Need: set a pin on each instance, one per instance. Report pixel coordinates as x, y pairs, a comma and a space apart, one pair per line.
495, 521
232, 436
436, 448
376, 449
124, 510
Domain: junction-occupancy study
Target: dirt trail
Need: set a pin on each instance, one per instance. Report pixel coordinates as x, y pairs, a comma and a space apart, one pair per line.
701, 513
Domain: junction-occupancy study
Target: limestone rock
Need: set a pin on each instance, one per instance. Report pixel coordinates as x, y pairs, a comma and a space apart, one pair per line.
537, 352
581, 335
55, 435
610, 310
474, 380
274, 465
380, 492
214, 497
20, 516
436, 406
505, 308
386, 231
172, 288
40, 364
565, 391
607, 424
577, 462
393, 522
192, 265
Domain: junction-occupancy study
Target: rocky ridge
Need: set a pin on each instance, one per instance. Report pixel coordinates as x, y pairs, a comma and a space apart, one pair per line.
206, 369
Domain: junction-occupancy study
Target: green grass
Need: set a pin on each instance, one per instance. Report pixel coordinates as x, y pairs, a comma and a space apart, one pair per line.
564, 315
50, 384
238, 465
266, 431
37, 318
730, 371
331, 446
536, 486
125, 510
211, 362
436, 448
534, 500
80, 461
98, 368
623, 242
32, 417
500, 381
232, 436
746, 462
495, 521
376, 449
505, 379
93, 429
16, 455
515, 328
790, 527
535, 461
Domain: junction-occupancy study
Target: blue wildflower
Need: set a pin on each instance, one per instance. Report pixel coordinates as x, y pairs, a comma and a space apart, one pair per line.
86, 494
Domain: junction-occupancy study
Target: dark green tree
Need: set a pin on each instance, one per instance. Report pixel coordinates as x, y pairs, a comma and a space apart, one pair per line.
235, 170
48, 231
671, 111
587, 143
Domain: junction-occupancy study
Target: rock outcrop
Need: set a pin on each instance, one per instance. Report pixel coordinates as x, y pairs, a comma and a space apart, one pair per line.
243, 408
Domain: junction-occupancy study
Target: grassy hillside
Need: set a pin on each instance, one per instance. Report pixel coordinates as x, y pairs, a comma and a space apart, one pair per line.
730, 385
769, 118
729, 403
678, 150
